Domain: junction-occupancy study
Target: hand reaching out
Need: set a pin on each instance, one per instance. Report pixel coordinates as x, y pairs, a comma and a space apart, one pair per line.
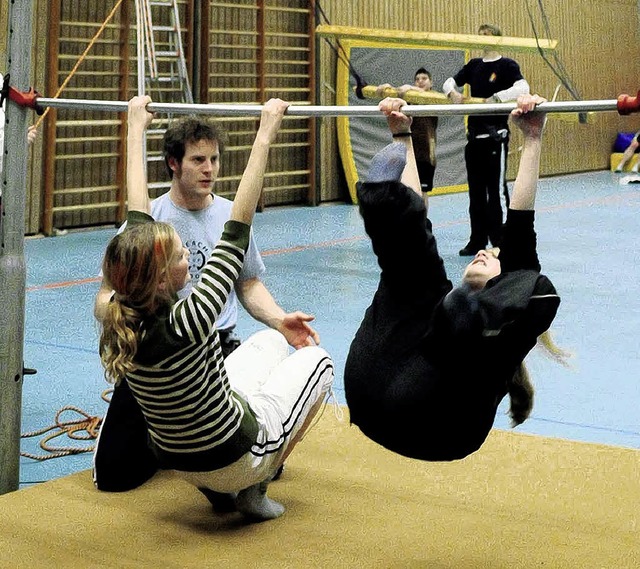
298, 333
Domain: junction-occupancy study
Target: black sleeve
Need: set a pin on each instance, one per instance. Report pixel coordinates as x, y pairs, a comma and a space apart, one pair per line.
518, 250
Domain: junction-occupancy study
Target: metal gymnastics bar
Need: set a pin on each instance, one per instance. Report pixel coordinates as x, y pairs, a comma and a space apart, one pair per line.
623, 105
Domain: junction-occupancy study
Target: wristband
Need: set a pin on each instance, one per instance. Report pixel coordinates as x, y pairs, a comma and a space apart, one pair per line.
400, 134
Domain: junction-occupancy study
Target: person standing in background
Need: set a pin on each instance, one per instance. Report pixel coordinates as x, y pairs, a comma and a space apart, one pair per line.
423, 129
496, 79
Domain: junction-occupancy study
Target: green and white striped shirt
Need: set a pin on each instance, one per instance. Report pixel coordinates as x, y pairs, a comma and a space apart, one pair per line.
195, 420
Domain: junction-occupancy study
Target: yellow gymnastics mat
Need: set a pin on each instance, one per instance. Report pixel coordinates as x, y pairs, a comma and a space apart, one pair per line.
521, 501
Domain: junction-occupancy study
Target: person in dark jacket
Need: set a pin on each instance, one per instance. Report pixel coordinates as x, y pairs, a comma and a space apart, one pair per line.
430, 363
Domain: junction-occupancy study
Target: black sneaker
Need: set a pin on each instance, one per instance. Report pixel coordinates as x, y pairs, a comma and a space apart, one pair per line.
222, 502
278, 473
469, 250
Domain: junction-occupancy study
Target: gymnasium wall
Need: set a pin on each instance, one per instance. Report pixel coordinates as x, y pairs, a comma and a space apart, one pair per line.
596, 42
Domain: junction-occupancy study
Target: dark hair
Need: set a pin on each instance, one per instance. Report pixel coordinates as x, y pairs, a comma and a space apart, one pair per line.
422, 70
495, 30
189, 129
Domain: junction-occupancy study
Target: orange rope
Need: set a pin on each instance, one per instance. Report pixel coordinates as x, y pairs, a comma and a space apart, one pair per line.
78, 430
79, 62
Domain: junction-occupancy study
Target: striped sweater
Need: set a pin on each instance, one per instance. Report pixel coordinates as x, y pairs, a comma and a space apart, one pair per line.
196, 422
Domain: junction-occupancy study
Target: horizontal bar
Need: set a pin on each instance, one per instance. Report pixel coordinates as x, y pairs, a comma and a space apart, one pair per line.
242, 110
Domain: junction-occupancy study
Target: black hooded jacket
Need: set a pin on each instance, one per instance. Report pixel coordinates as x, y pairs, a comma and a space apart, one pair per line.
429, 365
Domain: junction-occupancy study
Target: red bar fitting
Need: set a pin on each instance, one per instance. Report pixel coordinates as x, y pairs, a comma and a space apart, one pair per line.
26, 99
628, 104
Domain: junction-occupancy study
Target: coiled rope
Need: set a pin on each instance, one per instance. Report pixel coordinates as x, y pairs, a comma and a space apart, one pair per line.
85, 428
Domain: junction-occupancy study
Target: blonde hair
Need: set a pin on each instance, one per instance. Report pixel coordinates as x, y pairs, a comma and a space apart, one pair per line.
520, 387
135, 265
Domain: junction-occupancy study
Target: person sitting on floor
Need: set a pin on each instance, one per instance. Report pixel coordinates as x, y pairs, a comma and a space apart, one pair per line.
226, 426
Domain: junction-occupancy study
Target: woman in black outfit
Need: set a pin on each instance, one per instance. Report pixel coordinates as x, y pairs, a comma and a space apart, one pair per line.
430, 363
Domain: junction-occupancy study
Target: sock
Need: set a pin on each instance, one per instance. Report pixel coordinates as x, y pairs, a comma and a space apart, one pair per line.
255, 505
387, 165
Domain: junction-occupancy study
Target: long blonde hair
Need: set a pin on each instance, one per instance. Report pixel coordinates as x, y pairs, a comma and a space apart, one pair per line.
135, 265
520, 387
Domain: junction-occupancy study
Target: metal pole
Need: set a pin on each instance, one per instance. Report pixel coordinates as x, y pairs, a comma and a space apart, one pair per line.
329, 111
12, 265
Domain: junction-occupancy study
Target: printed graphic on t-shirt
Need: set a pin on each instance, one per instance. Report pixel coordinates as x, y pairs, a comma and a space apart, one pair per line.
199, 253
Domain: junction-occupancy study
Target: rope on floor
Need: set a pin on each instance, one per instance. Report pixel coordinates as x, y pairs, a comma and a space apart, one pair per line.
85, 428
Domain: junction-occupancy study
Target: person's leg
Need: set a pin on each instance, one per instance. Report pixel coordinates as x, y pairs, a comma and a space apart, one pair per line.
413, 280
475, 160
497, 191
249, 366
248, 369
426, 172
286, 404
401, 236
287, 401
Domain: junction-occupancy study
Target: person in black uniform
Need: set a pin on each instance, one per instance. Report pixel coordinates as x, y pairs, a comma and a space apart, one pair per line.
495, 79
430, 364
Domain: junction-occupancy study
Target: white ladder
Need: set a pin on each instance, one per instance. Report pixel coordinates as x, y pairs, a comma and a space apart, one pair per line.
166, 75
162, 74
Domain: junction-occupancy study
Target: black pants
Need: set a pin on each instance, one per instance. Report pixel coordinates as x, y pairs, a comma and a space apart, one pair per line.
379, 370
426, 172
123, 459
486, 160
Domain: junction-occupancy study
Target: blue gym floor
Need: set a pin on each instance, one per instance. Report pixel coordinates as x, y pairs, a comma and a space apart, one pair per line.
320, 261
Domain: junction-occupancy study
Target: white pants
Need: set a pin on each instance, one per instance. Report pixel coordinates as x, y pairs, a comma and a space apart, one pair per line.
281, 389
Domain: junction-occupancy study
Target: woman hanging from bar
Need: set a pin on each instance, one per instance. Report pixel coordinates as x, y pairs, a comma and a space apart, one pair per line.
430, 363
226, 426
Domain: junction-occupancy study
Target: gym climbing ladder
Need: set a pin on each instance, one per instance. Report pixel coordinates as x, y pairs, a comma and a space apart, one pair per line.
167, 78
